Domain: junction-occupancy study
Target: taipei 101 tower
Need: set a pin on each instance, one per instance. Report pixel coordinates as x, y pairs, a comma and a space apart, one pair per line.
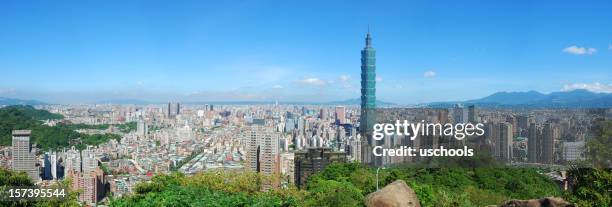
368, 100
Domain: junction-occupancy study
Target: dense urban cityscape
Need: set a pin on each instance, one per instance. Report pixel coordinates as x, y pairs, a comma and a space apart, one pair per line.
284, 142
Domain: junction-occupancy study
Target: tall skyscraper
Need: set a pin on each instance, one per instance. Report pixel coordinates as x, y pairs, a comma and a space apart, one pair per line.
53, 161
548, 144
340, 114
532, 143
460, 114
472, 114
23, 155
505, 141
368, 99
173, 109
262, 151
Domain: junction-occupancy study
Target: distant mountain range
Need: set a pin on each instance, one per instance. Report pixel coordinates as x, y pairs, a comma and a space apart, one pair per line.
533, 99
528, 99
12, 101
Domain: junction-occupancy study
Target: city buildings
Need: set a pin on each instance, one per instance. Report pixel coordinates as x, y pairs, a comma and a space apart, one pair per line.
340, 114
533, 143
505, 141
368, 100
24, 156
314, 160
573, 151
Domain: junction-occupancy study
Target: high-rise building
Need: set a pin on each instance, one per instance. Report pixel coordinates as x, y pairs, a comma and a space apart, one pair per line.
522, 122
141, 128
262, 151
72, 161
340, 114
23, 154
548, 142
173, 109
505, 141
90, 163
492, 134
53, 161
368, 99
46, 175
322, 114
460, 114
532, 143
312, 161
91, 185
512, 120
472, 114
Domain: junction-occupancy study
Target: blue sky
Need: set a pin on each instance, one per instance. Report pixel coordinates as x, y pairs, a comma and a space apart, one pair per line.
84, 51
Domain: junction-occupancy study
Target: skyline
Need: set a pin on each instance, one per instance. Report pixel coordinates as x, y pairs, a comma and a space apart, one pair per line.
76, 52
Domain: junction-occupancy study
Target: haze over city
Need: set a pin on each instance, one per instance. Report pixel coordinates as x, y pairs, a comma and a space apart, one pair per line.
84, 52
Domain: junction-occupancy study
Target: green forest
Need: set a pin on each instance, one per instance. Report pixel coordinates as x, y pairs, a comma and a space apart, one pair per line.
348, 184
50, 137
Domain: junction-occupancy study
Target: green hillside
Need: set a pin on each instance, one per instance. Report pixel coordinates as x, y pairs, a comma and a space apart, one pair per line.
46, 137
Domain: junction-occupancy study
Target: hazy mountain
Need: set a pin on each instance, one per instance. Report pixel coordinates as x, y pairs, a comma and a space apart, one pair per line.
530, 99
127, 101
511, 97
12, 101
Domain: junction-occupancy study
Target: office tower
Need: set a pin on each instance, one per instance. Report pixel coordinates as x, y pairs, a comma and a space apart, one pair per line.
340, 114
472, 114
522, 122
47, 167
72, 162
322, 114
23, 154
53, 161
512, 120
548, 149
443, 116
141, 128
492, 134
173, 109
312, 161
532, 143
289, 125
460, 114
89, 160
505, 141
262, 150
368, 99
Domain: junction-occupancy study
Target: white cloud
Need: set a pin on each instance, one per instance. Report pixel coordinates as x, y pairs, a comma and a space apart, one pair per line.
7, 90
379, 79
575, 50
345, 78
593, 87
345, 81
429, 74
277, 87
312, 82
